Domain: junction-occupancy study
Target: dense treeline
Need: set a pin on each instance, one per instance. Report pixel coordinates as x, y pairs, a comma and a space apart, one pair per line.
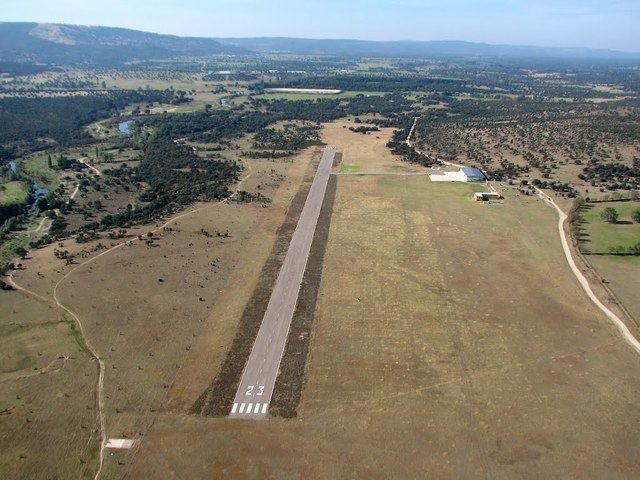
21, 68
211, 125
398, 146
28, 121
326, 109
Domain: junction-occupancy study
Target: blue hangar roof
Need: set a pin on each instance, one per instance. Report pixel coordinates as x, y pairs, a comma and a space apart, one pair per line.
473, 172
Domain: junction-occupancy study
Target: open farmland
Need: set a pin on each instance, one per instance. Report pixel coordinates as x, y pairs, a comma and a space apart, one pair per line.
457, 334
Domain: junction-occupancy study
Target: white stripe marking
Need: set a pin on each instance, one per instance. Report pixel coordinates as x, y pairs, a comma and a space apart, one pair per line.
241, 407
234, 408
249, 408
257, 409
264, 407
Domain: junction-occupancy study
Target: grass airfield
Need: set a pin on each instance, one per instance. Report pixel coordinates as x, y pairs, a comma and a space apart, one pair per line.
450, 341
457, 344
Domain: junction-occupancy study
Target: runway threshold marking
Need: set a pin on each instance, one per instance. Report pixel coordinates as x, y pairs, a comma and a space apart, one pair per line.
262, 367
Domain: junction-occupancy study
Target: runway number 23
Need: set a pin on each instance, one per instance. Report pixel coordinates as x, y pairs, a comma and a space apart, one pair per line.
251, 388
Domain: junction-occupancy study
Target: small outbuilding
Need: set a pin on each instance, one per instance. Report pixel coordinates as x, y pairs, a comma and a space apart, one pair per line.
486, 196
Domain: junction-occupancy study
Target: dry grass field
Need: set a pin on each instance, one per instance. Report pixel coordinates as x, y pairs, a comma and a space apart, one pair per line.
160, 316
450, 341
364, 153
623, 277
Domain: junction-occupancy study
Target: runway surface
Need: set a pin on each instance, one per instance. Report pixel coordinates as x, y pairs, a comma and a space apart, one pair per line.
258, 379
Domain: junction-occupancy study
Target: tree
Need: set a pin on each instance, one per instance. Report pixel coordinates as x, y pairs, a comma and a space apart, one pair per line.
609, 214
636, 215
49, 163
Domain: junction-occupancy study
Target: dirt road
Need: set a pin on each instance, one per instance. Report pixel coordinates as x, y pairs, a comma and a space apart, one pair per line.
622, 327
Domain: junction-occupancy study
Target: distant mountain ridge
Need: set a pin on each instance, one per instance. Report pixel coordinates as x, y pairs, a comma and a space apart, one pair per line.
402, 48
77, 44
61, 44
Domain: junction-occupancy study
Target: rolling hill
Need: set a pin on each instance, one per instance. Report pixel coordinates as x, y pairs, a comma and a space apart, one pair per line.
76, 45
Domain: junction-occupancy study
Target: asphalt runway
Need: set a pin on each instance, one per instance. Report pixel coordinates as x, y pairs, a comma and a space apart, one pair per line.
261, 370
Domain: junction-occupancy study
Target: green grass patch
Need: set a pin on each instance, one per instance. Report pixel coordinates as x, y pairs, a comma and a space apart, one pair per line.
13, 192
601, 235
8, 247
36, 167
348, 167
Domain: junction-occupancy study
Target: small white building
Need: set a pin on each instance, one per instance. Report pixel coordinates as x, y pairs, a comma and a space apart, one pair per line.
486, 196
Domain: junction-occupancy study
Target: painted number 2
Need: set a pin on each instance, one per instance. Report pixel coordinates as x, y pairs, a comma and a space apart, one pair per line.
251, 388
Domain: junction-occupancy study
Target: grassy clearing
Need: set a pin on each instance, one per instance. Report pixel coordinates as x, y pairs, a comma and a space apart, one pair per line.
44, 397
603, 235
348, 167
314, 96
36, 167
365, 153
13, 192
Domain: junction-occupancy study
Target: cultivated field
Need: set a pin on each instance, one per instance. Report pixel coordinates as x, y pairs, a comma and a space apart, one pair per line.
457, 344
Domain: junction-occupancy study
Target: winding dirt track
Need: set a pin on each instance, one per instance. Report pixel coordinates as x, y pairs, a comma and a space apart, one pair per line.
76, 318
622, 327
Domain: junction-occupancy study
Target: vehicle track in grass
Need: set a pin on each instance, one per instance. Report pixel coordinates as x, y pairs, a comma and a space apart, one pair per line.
77, 321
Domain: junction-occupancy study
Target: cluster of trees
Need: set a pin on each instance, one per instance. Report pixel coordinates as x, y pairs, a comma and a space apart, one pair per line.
290, 137
611, 215
398, 146
364, 129
615, 175
176, 177
564, 188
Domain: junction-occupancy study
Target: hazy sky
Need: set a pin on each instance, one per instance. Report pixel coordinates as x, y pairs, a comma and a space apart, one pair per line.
602, 24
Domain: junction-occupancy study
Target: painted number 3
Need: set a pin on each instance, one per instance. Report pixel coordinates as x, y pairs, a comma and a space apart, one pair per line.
251, 388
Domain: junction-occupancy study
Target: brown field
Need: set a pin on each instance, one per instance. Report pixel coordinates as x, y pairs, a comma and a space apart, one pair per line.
622, 275
160, 316
456, 344
364, 153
